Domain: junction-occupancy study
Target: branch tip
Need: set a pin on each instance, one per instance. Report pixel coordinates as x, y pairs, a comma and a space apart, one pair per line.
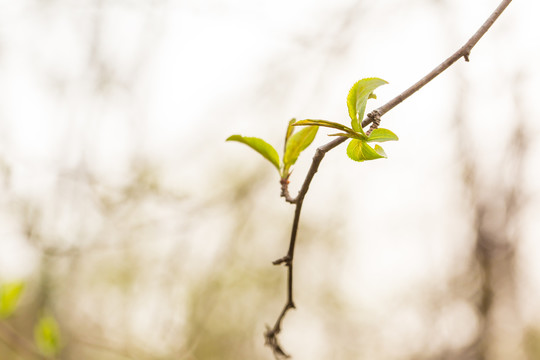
271, 340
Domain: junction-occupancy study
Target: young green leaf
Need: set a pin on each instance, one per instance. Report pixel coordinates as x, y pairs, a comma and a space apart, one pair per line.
359, 150
325, 123
290, 131
357, 99
380, 151
47, 336
296, 144
382, 135
259, 145
10, 294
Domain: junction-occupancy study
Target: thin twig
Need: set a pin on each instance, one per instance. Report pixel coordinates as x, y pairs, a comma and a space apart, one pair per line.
375, 118
271, 333
464, 52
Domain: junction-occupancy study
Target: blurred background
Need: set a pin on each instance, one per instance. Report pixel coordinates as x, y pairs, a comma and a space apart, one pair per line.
129, 229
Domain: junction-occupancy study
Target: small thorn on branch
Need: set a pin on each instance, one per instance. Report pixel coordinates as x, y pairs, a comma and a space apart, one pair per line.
291, 305
465, 52
286, 259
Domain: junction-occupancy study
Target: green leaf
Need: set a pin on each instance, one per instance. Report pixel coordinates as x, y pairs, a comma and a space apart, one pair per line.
359, 150
382, 135
47, 335
10, 294
296, 144
259, 145
380, 151
290, 131
325, 123
357, 99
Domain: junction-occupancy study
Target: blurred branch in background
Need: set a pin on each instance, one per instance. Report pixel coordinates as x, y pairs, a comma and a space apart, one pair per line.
496, 203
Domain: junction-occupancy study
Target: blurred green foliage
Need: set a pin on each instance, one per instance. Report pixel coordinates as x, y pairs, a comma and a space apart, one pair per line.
47, 335
10, 293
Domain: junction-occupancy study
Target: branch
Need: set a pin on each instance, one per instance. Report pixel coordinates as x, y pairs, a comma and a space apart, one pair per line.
464, 52
271, 333
375, 118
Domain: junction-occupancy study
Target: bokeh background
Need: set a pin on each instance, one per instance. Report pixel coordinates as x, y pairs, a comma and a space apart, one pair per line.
139, 233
